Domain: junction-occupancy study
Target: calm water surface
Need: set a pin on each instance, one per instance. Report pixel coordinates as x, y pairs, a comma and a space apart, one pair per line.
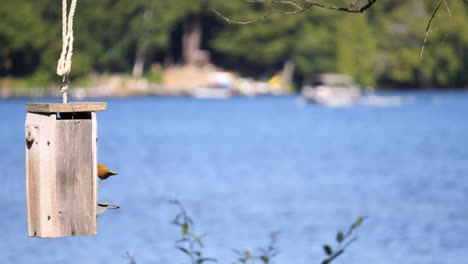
244, 168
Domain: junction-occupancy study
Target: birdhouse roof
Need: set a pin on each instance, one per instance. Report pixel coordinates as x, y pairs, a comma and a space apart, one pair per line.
66, 108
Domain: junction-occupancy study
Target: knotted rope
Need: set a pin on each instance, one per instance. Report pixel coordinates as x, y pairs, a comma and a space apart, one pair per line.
64, 63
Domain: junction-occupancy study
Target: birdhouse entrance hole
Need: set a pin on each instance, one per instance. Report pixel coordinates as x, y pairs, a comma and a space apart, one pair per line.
61, 169
73, 116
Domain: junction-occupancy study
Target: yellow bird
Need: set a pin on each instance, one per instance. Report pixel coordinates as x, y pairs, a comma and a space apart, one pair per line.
104, 172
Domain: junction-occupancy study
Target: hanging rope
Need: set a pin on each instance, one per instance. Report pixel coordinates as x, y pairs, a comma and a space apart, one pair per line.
64, 63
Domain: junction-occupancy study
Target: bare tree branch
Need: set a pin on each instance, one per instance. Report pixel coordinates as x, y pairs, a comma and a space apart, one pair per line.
447, 8
428, 26
269, 13
354, 3
298, 10
308, 4
277, 2
450, 16
349, 8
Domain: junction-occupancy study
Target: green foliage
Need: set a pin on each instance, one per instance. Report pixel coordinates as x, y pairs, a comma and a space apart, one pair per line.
401, 38
190, 244
315, 47
343, 241
379, 47
259, 43
21, 37
356, 49
264, 255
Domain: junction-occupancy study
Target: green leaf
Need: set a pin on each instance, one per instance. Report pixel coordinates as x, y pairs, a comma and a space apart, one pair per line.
339, 237
357, 223
198, 240
185, 229
265, 259
327, 249
201, 260
184, 250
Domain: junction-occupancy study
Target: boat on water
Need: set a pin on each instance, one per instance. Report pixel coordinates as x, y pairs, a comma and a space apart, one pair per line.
211, 93
331, 89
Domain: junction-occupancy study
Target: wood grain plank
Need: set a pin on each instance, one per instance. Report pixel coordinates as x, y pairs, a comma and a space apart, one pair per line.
94, 138
66, 108
76, 202
32, 176
40, 174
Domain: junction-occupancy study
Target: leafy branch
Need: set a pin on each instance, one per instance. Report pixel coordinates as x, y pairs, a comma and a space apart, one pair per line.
190, 243
343, 241
265, 255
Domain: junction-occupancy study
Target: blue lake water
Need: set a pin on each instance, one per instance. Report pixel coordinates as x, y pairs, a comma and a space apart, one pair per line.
244, 168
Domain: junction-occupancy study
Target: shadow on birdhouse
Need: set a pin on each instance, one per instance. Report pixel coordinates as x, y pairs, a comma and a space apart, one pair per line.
61, 169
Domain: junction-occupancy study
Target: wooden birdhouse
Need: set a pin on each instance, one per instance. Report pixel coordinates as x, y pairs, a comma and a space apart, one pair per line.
61, 168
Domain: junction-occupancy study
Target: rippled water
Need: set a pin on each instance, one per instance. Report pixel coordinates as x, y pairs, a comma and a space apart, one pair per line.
244, 168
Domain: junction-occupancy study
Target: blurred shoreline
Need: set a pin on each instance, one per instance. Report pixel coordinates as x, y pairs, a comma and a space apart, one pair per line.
126, 86
205, 82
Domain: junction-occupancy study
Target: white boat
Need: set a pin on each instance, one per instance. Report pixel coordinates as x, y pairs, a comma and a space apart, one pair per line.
211, 93
331, 90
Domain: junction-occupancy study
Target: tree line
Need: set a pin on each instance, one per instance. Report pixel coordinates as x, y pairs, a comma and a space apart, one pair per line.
379, 48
